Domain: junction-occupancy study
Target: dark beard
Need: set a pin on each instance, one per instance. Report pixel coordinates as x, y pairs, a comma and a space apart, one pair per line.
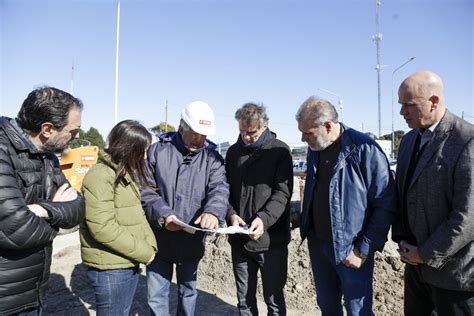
54, 148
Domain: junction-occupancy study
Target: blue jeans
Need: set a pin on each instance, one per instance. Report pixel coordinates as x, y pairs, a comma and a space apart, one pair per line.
114, 290
159, 274
273, 266
334, 281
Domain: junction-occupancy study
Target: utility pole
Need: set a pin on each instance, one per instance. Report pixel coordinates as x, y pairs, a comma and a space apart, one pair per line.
377, 38
393, 132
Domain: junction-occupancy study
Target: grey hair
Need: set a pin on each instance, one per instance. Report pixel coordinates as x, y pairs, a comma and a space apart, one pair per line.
251, 112
317, 110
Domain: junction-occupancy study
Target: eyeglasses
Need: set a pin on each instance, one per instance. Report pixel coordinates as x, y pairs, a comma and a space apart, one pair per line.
73, 132
252, 134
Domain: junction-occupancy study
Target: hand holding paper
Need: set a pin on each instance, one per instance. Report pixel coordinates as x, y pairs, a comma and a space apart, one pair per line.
225, 230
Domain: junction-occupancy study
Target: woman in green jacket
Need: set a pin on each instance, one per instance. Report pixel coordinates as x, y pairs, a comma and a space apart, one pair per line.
115, 235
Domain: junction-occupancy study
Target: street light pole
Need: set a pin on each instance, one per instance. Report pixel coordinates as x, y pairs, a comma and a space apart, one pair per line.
393, 132
377, 38
339, 101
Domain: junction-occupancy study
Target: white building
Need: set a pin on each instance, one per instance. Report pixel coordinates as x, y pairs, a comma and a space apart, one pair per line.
386, 146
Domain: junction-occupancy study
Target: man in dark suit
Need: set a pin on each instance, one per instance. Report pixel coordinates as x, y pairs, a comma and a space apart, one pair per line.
435, 178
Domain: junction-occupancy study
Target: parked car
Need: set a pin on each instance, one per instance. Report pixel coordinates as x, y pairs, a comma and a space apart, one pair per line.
299, 166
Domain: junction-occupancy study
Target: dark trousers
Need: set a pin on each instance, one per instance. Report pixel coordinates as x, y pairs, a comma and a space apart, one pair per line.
422, 298
273, 266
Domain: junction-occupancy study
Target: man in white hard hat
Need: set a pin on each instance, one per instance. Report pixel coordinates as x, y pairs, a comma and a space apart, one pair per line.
189, 175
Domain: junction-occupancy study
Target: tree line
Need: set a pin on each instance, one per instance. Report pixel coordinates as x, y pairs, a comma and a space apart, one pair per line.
93, 137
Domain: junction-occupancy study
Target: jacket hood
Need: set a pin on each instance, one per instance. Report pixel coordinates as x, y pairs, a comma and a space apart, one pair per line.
107, 160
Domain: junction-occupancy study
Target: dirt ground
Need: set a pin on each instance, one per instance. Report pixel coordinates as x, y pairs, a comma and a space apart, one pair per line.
70, 293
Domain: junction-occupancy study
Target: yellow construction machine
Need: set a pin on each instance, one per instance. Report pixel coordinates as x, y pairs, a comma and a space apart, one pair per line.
76, 162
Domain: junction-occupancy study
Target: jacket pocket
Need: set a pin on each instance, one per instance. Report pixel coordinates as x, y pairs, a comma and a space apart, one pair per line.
29, 178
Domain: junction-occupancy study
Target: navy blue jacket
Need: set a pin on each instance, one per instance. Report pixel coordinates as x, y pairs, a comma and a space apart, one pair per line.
361, 196
189, 185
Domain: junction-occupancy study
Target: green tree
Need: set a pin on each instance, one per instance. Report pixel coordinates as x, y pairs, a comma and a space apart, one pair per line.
398, 137
162, 127
79, 142
90, 138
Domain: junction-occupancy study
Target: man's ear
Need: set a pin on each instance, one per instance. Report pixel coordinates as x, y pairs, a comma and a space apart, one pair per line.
47, 129
434, 99
328, 126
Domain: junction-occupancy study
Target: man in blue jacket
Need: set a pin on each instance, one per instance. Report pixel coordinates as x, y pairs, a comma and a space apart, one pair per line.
189, 177
348, 208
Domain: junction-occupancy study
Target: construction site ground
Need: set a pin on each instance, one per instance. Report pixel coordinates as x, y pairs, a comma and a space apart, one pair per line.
70, 293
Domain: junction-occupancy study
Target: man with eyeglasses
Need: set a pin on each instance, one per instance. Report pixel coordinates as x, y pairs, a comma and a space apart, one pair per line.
348, 207
435, 180
36, 199
259, 171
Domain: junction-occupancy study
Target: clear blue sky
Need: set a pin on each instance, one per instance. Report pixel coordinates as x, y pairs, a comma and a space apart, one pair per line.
230, 52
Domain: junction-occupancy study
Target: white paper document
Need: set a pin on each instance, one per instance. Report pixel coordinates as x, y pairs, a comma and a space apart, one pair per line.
224, 230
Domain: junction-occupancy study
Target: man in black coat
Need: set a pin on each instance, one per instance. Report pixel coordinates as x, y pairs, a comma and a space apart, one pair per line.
36, 199
259, 171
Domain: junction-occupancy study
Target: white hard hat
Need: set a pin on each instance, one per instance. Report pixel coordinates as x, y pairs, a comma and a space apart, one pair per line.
200, 117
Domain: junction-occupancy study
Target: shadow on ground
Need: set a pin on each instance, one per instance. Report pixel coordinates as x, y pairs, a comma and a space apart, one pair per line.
78, 299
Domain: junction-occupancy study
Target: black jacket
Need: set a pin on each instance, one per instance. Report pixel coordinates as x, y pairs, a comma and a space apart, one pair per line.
28, 177
261, 183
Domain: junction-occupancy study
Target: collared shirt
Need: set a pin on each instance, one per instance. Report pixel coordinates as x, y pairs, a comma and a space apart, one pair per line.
427, 134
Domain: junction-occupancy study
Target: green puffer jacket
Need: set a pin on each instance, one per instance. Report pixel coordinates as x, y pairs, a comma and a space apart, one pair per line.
115, 233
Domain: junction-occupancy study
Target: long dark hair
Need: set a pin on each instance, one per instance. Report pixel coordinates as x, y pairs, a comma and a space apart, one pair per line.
126, 145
